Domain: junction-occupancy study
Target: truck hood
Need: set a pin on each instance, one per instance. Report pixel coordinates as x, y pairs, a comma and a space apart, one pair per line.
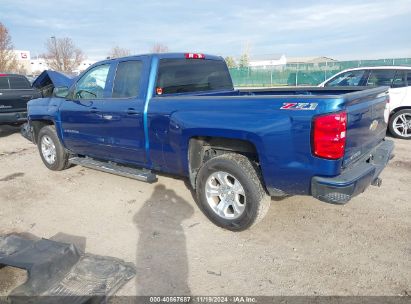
57, 79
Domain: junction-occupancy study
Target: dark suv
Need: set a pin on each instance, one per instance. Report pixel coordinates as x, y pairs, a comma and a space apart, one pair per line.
15, 92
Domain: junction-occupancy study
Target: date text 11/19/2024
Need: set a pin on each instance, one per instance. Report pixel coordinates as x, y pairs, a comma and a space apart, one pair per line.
203, 299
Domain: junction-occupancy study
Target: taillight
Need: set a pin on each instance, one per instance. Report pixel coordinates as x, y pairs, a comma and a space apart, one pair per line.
194, 56
329, 133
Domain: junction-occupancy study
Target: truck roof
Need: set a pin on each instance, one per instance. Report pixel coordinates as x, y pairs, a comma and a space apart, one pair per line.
163, 56
10, 74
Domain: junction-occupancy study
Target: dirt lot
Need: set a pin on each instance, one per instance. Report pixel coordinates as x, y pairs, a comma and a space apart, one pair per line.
302, 247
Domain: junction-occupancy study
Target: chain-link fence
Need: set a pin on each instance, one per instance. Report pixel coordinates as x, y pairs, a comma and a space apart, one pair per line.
304, 73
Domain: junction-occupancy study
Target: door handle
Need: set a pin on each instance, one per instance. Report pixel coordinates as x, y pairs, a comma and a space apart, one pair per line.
28, 97
132, 111
94, 110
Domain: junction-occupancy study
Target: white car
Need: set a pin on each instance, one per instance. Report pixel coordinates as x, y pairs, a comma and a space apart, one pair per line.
398, 78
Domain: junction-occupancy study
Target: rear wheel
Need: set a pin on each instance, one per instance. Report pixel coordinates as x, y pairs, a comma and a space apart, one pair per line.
51, 150
230, 192
400, 124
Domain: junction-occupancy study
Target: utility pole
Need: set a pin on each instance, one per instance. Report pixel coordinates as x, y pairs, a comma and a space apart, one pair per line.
54, 41
53, 38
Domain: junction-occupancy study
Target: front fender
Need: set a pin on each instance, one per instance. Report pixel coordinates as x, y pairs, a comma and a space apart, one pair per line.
46, 110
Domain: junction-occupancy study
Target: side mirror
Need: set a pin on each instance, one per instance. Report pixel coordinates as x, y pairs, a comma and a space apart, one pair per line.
61, 92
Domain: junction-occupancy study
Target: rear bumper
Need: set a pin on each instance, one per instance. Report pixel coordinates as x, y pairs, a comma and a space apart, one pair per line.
13, 117
353, 180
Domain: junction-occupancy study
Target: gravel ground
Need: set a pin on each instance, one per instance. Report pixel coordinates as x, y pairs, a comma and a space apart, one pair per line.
302, 247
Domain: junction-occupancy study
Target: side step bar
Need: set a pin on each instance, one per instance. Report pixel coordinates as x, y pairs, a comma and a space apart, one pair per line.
110, 167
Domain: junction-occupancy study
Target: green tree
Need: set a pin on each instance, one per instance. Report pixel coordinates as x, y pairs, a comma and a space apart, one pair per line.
244, 60
230, 62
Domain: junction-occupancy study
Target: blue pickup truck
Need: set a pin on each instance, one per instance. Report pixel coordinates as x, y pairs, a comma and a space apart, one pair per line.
179, 114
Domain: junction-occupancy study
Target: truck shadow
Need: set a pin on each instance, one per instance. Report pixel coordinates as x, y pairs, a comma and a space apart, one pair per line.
162, 263
6, 130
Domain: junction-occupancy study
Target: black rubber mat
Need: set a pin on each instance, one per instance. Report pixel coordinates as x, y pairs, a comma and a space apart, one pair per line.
60, 273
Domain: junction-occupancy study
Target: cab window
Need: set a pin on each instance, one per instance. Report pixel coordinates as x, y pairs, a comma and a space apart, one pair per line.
381, 78
127, 79
19, 83
4, 83
399, 79
92, 84
192, 75
351, 78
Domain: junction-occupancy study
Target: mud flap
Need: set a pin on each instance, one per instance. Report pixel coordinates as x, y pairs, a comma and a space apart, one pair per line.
60, 273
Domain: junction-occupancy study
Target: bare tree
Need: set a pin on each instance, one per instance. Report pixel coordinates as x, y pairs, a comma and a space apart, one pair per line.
8, 59
62, 54
117, 52
159, 48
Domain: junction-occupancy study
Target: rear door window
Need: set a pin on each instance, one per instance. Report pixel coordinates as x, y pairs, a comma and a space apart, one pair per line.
409, 78
351, 78
192, 75
381, 78
4, 83
399, 79
128, 79
19, 83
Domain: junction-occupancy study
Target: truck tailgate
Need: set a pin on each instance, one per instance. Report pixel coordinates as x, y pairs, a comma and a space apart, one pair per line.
366, 127
14, 100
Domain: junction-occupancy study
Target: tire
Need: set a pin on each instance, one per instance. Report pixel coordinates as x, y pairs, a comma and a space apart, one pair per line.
400, 124
243, 207
52, 152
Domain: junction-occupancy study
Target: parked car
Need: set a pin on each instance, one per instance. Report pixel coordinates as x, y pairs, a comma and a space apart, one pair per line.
398, 113
15, 92
179, 114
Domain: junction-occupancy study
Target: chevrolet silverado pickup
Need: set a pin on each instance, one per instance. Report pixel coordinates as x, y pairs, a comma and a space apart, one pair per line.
179, 114
15, 92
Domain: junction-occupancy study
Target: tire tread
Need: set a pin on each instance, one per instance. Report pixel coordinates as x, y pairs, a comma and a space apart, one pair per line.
252, 173
62, 156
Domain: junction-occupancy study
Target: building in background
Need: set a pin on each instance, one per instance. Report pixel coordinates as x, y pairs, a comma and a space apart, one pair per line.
269, 61
23, 57
309, 59
83, 66
276, 61
37, 66
34, 66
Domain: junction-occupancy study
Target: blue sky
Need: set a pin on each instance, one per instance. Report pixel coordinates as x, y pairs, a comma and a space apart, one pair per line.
338, 29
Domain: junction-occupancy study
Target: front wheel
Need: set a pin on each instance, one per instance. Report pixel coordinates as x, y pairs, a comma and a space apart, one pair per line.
230, 192
400, 124
51, 150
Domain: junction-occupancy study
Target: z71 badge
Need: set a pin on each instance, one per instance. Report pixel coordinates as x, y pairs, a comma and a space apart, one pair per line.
299, 106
